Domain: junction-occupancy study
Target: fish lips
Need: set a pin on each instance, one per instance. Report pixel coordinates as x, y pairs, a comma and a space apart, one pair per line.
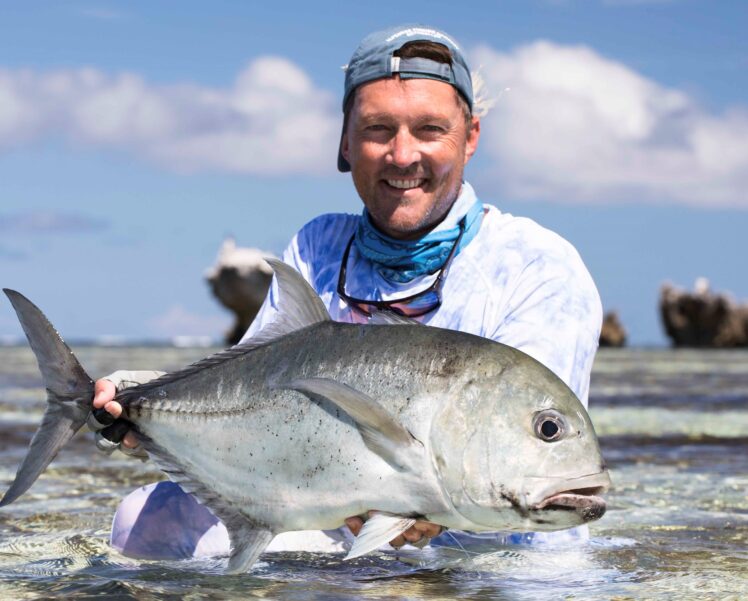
588, 507
577, 495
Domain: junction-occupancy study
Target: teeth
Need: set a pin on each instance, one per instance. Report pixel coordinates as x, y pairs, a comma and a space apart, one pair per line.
405, 184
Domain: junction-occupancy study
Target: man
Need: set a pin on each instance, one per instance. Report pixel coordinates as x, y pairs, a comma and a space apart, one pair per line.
424, 246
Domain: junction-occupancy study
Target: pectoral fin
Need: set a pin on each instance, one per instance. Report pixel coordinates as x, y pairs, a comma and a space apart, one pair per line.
378, 530
382, 433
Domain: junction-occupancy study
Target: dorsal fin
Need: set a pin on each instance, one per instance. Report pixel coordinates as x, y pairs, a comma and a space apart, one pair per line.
299, 306
133, 392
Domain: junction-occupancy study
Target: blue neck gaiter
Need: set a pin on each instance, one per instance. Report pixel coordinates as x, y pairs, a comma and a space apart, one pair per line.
404, 260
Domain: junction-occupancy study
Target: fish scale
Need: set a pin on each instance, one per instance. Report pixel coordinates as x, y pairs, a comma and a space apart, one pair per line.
312, 421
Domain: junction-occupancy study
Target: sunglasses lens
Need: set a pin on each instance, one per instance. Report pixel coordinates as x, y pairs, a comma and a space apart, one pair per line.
410, 308
419, 305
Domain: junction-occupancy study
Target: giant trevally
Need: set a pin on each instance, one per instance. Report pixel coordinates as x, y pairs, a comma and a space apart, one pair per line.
312, 421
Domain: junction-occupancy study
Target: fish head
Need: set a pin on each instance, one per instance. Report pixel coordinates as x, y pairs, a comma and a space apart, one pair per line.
517, 451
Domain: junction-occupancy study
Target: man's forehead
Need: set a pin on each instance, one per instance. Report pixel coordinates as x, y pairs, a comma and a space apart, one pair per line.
394, 92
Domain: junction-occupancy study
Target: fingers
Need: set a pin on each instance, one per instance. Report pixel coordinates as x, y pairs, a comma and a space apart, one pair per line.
104, 391
354, 524
418, 534
130, 441
425, 529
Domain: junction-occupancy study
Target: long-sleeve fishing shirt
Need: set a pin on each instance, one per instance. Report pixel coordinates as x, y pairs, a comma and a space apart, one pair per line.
515, 282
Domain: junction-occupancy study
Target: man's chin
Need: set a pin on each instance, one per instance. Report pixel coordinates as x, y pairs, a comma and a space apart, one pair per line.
405, 227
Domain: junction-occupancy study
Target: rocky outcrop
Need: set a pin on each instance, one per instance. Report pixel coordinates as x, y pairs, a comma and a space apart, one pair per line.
703, 318
613, 334
240, 280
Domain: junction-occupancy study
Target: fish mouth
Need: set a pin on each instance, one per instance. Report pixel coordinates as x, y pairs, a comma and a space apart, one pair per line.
584, 502
577, 495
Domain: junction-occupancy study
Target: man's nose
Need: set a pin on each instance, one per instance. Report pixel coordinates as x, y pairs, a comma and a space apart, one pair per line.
404, 150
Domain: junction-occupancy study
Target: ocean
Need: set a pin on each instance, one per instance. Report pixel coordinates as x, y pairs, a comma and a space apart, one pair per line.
673, 426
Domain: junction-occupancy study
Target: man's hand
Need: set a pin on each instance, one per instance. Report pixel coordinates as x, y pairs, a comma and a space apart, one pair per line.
420, 532
104, 391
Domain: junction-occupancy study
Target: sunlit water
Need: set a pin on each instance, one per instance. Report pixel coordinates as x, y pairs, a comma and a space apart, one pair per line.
673, 427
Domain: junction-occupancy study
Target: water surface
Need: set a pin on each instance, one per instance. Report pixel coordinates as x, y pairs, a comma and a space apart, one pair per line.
673, 426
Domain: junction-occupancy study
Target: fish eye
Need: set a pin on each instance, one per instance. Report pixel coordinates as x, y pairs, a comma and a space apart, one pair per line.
549, 425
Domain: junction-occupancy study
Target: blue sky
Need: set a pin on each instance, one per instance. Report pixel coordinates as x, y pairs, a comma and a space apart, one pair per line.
135, 136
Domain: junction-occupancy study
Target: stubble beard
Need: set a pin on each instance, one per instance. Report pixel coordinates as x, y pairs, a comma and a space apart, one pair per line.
435, 214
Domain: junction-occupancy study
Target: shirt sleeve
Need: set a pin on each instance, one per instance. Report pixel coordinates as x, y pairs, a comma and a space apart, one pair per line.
554, 314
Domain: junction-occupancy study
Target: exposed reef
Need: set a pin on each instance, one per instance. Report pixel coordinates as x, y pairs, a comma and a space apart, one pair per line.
613, 334
702, 318
240, 280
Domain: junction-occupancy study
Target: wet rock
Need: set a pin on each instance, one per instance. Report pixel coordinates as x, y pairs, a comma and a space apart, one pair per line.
240, 280
613, 334
703, 318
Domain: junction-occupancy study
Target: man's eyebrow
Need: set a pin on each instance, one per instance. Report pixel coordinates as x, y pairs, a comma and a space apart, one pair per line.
384, 116
376, 116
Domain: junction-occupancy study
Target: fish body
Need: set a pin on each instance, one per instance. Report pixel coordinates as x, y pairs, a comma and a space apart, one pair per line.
313, 421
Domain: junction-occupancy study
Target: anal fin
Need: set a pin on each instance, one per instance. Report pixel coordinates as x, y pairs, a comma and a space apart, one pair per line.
378, 530
247, 543
248, 538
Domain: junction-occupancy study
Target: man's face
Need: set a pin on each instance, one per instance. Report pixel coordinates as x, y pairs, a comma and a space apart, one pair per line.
407, 143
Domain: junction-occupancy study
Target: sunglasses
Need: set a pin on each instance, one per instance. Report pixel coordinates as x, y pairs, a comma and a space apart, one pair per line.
414, 305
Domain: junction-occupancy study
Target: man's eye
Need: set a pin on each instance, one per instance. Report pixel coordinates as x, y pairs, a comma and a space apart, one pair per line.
433, 129
376, 127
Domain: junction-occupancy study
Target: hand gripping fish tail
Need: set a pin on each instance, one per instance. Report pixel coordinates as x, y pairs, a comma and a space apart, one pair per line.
411, 421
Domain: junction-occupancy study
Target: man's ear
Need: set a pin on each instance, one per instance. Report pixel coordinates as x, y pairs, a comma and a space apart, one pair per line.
344, 146
473, 135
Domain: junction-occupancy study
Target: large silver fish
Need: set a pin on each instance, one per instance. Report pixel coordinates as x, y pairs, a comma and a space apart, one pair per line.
313, 421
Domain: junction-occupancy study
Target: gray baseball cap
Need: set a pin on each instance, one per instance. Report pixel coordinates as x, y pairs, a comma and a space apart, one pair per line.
373, 59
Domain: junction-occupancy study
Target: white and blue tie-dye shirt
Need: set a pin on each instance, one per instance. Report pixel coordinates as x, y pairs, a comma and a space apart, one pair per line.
516, 282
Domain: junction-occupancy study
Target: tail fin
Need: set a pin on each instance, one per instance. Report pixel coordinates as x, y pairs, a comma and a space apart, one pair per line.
69, 394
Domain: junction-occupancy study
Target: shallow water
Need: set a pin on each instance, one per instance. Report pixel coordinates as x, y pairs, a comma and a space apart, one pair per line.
673, 427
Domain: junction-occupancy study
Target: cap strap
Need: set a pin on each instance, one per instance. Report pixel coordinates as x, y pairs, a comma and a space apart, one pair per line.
422, 67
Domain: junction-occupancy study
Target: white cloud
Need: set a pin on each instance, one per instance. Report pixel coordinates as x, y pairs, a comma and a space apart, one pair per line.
271, 121
178, 321
576, 126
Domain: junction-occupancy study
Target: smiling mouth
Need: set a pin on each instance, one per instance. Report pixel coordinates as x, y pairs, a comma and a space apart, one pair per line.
405, 184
